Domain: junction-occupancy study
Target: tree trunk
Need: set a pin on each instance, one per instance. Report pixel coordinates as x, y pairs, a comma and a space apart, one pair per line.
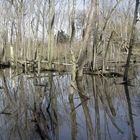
83, 59
132, 39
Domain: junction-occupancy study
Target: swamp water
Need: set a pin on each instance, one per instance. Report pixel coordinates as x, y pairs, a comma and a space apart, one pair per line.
36, 107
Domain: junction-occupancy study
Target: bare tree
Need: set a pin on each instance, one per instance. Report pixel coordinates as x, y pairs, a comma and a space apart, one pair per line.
131, 42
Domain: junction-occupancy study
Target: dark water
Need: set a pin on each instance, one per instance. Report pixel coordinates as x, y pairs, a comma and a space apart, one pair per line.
36, 107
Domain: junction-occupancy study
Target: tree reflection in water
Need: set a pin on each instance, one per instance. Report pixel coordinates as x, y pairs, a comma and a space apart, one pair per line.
41, 107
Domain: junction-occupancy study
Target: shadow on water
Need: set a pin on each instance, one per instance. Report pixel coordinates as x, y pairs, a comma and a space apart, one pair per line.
41, 107
130, 113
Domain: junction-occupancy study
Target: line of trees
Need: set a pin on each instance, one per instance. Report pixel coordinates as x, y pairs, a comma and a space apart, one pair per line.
90, 30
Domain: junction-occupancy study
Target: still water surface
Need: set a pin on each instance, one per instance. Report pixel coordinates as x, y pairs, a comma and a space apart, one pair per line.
36, 107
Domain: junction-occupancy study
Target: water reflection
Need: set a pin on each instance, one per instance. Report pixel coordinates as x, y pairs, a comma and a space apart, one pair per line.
130, 113
73, 118
40, 107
